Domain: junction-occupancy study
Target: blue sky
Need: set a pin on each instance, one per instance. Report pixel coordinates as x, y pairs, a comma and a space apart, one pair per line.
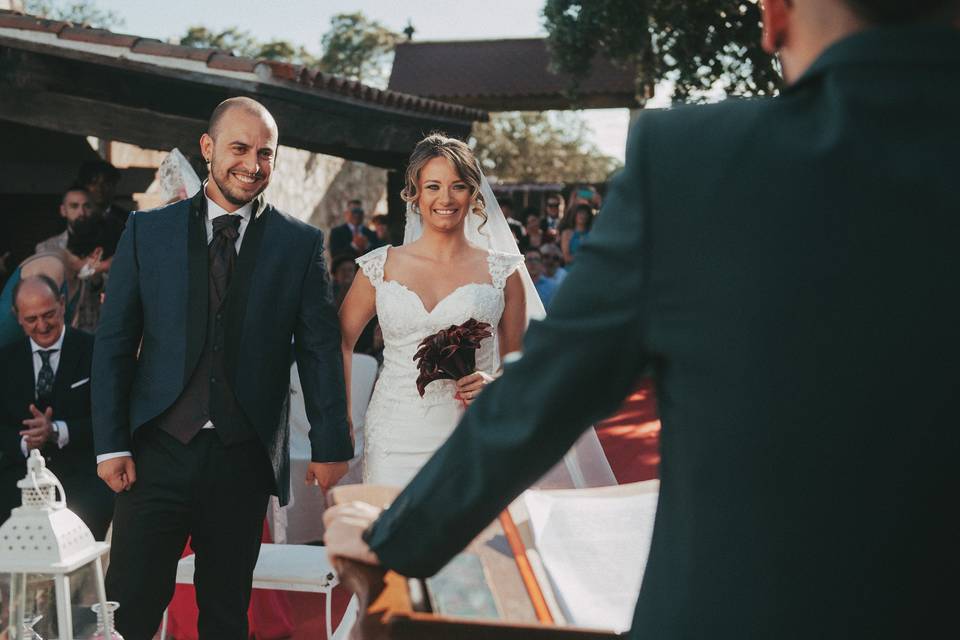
304, 21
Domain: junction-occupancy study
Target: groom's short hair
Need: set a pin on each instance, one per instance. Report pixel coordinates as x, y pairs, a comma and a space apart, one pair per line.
240, 102
898, 11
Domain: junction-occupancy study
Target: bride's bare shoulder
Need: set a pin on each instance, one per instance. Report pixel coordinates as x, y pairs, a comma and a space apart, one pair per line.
404, 254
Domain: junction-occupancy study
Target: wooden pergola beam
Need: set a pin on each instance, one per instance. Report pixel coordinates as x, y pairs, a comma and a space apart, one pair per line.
158, 108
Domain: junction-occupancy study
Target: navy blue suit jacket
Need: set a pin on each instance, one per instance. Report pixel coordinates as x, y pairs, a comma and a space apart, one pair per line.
156, 305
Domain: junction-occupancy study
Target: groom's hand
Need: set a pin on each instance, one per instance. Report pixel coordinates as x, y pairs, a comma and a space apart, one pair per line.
326, 474
119, 473
343, 526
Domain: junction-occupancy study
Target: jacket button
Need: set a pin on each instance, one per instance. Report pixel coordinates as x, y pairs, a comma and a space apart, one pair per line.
213, 381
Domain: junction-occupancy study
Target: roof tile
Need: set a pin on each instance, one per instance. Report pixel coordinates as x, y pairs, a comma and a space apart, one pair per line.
284, 70
514, 67
227, 62
216, 59
98, 36
11, 20
151, 47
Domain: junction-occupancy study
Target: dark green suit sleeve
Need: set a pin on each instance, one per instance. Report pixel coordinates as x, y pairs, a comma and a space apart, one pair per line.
577, 367
320, 363
115, 348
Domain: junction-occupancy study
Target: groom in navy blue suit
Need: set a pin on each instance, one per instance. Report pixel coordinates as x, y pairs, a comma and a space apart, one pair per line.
190, 374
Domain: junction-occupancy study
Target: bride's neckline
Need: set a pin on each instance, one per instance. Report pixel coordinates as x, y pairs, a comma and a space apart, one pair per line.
443, 298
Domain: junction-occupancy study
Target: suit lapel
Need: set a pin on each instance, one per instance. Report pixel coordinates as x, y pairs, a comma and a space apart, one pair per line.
198, 280
26, 388
69, 358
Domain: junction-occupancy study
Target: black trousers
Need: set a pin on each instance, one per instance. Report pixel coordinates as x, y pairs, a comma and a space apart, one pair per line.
216, 494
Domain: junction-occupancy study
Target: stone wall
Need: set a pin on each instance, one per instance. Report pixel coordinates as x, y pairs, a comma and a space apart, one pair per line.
315, 188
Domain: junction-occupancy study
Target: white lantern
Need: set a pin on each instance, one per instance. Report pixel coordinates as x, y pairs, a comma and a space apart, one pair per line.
43, 537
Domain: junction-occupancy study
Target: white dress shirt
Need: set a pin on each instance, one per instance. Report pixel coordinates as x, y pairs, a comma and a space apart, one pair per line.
213, 211
64, 432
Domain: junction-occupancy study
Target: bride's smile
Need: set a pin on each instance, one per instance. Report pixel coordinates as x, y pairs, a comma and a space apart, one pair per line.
444, 196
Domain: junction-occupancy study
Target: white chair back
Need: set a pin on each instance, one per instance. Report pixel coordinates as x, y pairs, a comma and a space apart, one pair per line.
363, 375
302, 522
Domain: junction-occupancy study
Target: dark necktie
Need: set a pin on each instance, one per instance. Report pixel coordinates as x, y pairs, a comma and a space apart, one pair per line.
223, 252
45, 377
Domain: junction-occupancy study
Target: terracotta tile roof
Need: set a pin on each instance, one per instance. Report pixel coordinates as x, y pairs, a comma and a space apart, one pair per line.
494, 69
266, 70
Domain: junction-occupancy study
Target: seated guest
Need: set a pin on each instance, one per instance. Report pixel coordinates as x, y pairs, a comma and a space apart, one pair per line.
534, 236
91, 244
553, 262
545, 286
50, 264
75, 204
381, 226
342, 271
575, 229
100, 179
45, 405
552, 213
506, 205
352, 235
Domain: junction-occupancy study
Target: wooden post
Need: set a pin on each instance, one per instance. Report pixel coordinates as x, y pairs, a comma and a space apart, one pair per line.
396, 207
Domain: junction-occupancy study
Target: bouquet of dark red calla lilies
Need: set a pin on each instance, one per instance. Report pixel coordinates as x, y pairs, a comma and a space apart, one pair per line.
451, 353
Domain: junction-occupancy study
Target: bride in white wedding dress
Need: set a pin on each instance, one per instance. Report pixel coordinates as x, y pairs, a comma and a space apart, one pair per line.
459, 261
430, 283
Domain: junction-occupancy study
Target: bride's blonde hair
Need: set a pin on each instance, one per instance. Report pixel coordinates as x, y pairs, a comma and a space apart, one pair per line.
437, 145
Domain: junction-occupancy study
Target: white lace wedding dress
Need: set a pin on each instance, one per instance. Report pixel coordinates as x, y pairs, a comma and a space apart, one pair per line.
402, 429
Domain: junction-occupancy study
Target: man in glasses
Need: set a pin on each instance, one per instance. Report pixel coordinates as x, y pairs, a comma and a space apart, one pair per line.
553, 263
552, 212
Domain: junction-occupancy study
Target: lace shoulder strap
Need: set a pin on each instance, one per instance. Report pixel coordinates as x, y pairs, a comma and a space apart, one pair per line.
372, 264
501, 266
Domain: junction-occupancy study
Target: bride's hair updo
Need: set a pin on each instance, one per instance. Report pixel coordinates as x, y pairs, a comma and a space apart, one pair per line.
437, 145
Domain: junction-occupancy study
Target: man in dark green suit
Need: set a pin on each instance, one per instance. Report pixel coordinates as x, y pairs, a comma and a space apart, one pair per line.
789, 268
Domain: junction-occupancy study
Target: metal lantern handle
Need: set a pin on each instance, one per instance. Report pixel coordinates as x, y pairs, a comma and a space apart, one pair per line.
56, 504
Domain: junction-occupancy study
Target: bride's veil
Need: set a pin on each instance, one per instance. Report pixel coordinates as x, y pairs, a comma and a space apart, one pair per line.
177, 178
585, 465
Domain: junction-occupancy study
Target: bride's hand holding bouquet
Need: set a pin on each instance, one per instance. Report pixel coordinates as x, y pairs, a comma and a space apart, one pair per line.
468, 387
451, 354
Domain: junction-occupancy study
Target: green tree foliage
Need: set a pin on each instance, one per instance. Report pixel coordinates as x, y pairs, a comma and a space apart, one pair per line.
75, 11
540, 147
358, 48
355, 47
697, 45
242, 43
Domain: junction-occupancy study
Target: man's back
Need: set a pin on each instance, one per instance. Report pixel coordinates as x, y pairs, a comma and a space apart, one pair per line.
800, 304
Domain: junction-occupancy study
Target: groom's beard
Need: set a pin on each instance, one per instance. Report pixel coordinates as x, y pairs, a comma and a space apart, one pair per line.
234, 193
